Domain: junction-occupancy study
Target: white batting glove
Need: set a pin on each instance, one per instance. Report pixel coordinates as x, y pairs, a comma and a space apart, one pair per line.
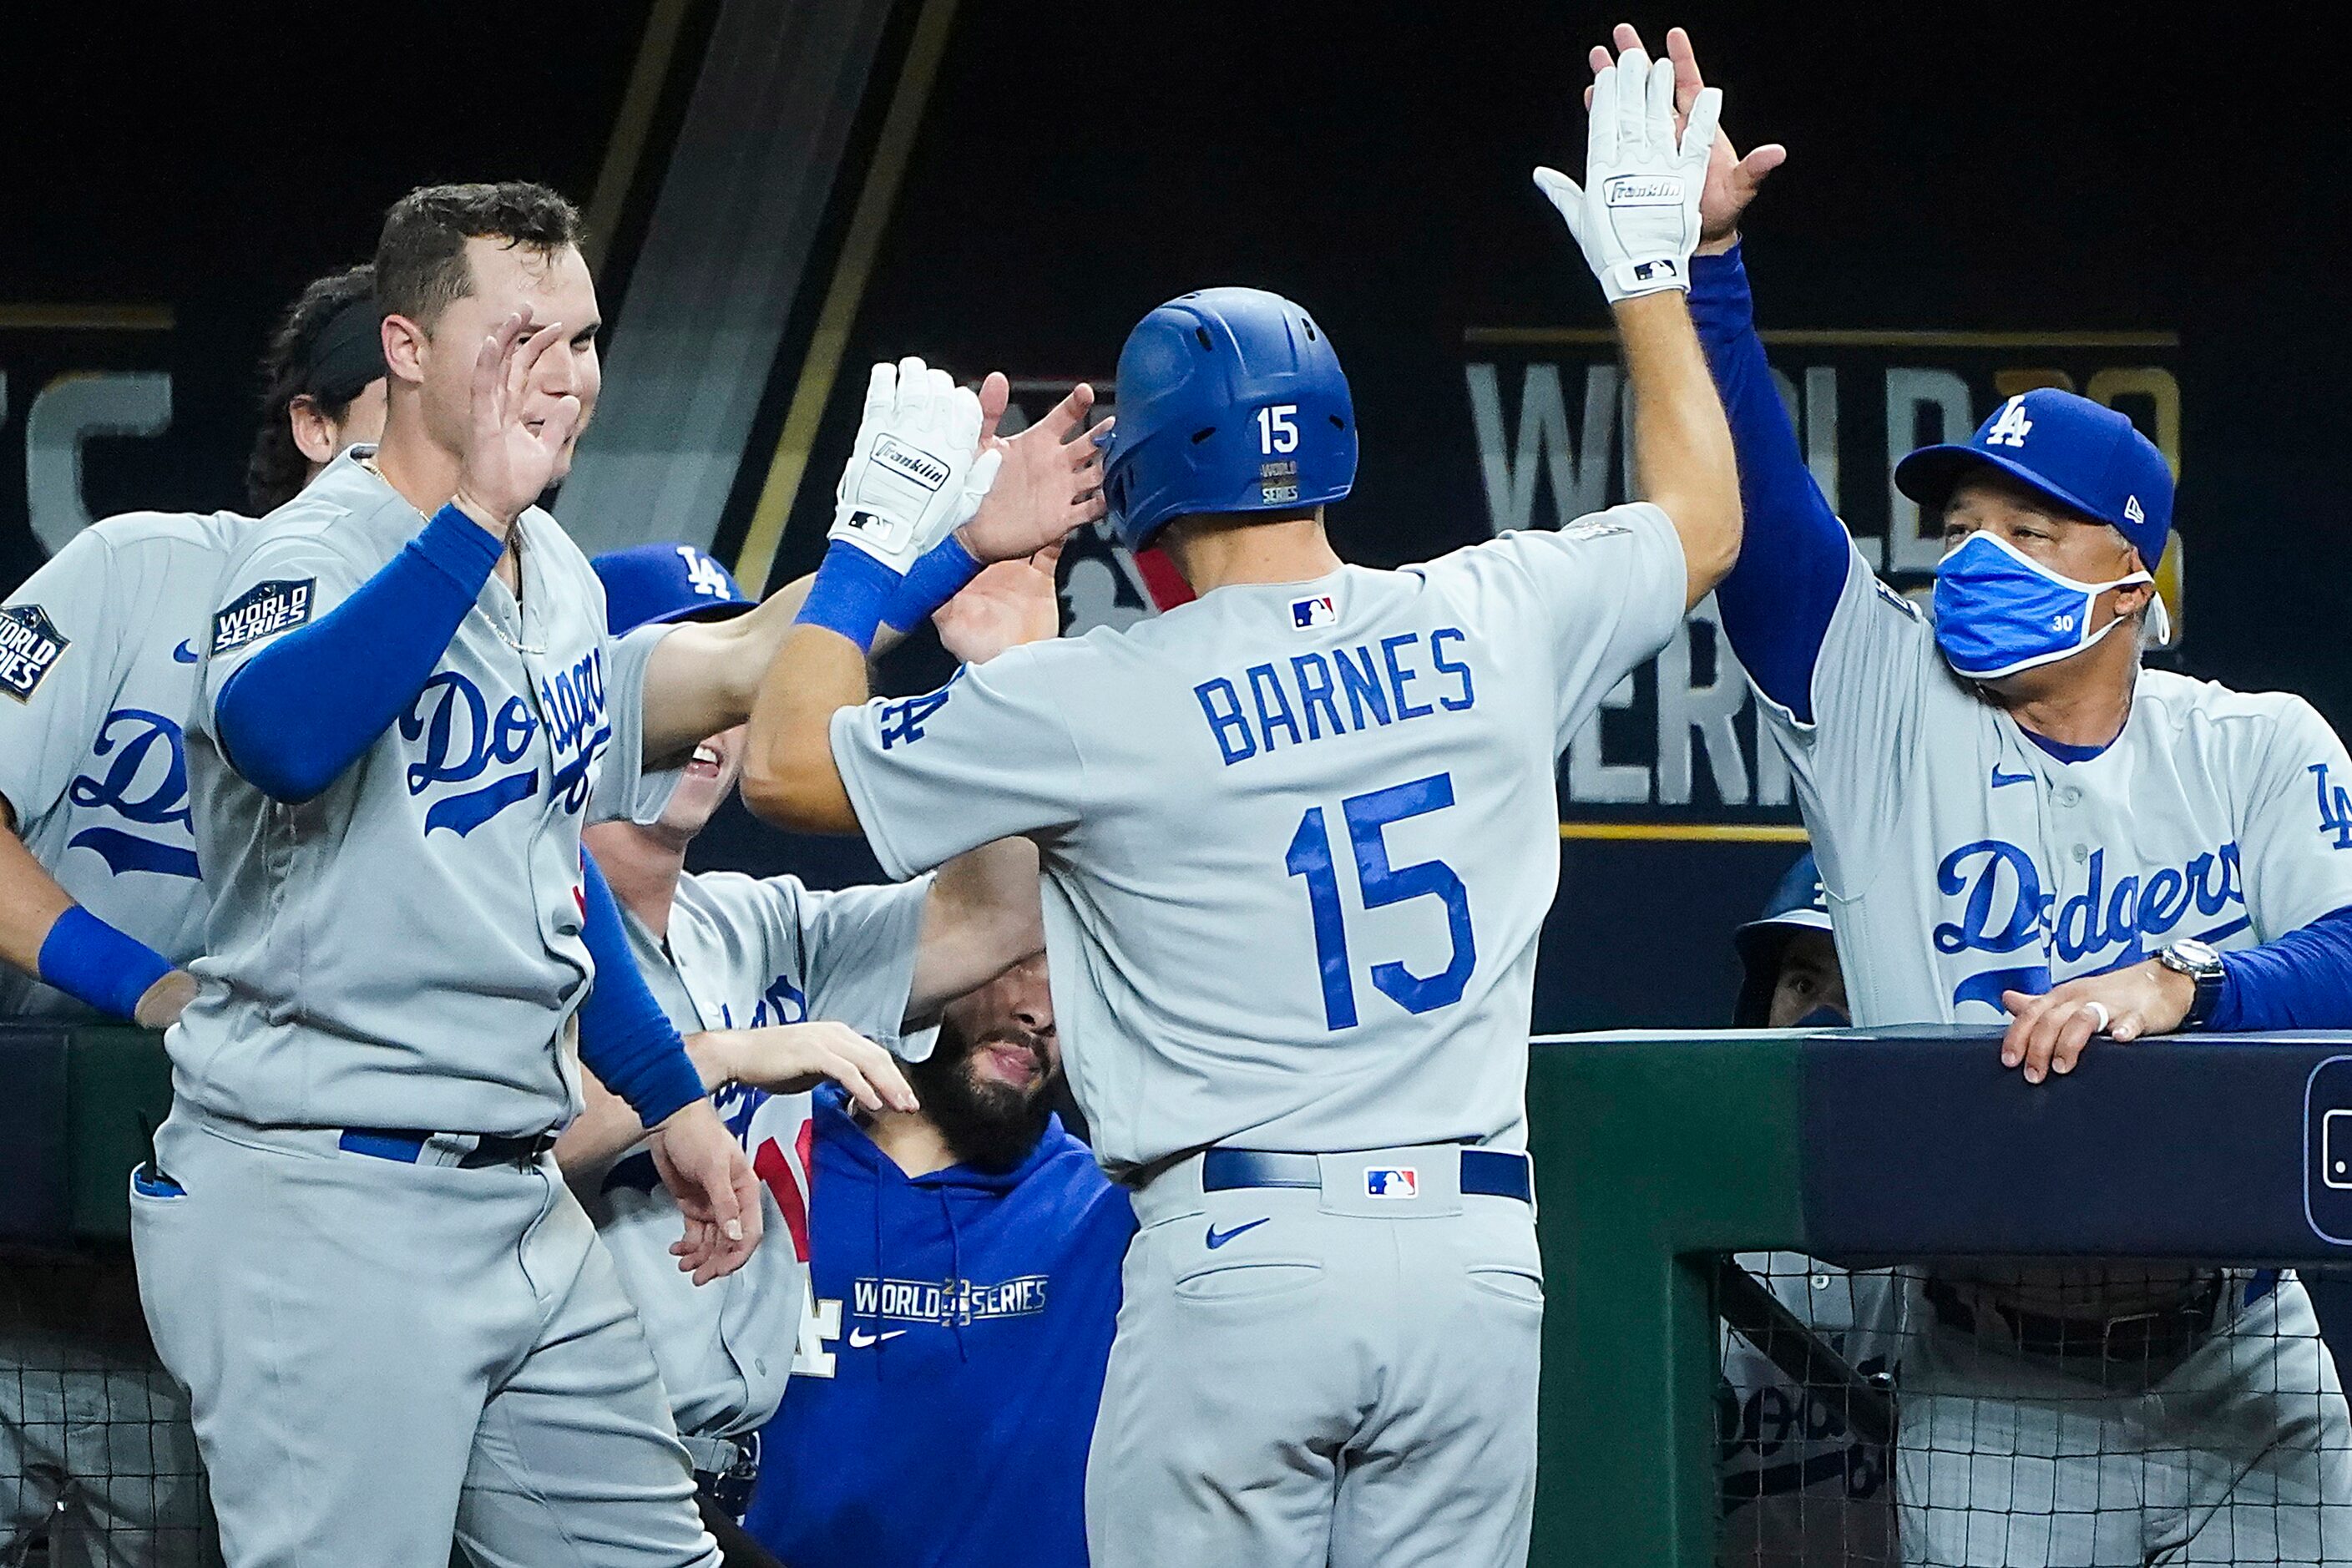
1636, 215
917, 472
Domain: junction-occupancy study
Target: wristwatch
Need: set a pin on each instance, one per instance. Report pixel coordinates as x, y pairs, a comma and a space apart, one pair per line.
2201, 964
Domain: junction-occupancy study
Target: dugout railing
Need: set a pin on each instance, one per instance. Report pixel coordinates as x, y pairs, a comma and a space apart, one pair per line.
1657, 1155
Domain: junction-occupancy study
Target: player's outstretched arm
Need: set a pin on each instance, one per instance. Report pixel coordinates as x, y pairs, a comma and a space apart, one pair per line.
1047, 480
1636, 217
1777, 601
1682, 447
784, 1059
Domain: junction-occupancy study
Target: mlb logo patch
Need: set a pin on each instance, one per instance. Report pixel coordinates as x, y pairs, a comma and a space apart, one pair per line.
1308, 613
29, 646
1391, 1182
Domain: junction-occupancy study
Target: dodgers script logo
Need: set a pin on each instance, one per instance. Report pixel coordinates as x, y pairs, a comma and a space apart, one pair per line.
462, 740
2002, 910
145, 782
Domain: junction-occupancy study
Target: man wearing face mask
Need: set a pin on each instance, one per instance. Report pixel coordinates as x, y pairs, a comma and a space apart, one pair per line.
2012, 817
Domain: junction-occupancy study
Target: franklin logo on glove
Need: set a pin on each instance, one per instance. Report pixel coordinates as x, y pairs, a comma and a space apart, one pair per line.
919, 465
1643, 191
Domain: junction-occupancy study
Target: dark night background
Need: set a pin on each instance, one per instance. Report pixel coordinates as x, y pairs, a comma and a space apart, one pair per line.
1958, 168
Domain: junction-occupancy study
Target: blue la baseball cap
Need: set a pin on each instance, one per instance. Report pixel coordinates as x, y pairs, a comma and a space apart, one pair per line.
656, 584
2085, 456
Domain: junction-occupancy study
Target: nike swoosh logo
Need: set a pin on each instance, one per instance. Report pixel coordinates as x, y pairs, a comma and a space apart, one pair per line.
185, 653
860, 1338
2000, 778
1218, 1238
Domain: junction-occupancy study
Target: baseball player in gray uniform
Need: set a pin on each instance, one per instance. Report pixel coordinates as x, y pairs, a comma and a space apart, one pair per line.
776, 985
1299, 838
2014, 818
352, 1240
99, 894
97, 665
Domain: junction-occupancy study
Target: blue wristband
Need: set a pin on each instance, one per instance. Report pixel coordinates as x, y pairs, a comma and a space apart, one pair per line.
850, 594
938, 575
91, 961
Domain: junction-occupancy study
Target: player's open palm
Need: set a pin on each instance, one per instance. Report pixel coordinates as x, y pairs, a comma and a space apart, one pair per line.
793, 1058
1050, 482
705, 1170
515, 436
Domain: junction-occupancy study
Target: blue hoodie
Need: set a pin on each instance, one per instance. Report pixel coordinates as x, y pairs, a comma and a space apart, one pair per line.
974, 1318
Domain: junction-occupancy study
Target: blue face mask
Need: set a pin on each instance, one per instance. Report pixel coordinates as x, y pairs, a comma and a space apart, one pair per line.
1999, 611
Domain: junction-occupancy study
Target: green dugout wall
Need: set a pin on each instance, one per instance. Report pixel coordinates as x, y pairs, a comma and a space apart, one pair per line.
1656, 1154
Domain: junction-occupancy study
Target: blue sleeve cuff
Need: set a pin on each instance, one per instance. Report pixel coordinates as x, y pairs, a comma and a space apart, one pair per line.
91, 961
938, 576
625, 1038
2301, 981
465, 550
852, 593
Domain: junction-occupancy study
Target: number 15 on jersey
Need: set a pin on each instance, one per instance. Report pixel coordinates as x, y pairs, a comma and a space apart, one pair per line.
1367, 818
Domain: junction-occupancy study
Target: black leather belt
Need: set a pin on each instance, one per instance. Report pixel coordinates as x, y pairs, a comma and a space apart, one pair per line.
406, 1146
2165, 1334
1485, 1173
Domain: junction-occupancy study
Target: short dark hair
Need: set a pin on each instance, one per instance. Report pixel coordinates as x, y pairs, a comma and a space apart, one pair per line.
277, 471
420, 260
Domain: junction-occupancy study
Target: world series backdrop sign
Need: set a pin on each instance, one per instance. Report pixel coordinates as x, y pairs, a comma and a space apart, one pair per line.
83, 388
1674, 751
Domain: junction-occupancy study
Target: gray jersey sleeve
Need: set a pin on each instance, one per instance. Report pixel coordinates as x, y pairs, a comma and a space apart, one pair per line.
987, 756
1877, 666
2295, 834
626, 789
61, 638
284, 582
1607, 592
858, 948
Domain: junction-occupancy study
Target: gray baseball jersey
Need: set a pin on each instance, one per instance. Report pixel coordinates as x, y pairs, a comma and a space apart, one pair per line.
1298, 839
1963, 859
744, 954
98, 668
404, 950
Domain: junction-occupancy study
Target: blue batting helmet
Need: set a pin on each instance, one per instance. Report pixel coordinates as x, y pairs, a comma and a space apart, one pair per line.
1229, 400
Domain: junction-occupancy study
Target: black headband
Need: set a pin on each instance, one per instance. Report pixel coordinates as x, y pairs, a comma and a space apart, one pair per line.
349, 353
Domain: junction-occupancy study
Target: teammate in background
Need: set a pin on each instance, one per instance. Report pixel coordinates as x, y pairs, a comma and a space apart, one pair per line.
1300, 837
968, 1400
1789, 975
98, 894
401, 726
2013, 816
99, 891
746, 969
1803, 1490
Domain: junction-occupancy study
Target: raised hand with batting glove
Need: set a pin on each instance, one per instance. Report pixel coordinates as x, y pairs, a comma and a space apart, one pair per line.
1637, 214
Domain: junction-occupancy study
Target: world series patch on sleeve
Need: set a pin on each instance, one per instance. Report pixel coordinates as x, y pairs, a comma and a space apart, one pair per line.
263, 610
30, 646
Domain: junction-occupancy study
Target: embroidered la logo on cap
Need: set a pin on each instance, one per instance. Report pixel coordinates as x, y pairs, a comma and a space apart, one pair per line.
1391, 1182
1318, 611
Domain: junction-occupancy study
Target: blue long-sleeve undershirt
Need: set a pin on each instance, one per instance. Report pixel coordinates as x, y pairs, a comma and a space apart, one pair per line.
625, 1040
1778, 600
307, 705
2301, 981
